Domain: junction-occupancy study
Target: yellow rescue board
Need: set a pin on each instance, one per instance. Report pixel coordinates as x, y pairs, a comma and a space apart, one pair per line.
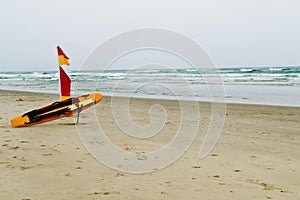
56, 110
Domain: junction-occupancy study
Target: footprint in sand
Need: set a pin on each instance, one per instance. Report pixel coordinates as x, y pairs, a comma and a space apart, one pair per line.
15, 148
47, 154
25, 167
140, 156
119, 174
168, 183
104, 193
266, 186
196, 167
68, 175
216, 176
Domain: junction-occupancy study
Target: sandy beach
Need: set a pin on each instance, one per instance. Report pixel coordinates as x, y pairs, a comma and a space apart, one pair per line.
256, 157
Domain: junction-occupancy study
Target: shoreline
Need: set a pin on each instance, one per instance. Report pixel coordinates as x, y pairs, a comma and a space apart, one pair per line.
159, 97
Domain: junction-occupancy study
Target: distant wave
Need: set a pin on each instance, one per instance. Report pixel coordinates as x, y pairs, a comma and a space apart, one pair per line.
276, 69
247, 70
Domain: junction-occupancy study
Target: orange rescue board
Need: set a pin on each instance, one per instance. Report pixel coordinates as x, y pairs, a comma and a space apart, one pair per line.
56, 110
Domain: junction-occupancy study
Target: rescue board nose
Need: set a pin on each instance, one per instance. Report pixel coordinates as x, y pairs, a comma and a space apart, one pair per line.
97, 97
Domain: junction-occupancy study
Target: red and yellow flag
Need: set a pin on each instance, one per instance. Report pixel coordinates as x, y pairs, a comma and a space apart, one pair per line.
65, 81
62, 58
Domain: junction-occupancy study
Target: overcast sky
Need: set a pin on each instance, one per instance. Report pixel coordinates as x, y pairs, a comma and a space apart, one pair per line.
233, 32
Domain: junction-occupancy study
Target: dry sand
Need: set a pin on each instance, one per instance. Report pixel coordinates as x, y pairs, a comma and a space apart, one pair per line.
257, 156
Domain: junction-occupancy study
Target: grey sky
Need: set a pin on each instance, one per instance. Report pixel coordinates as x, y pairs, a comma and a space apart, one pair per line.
234, 32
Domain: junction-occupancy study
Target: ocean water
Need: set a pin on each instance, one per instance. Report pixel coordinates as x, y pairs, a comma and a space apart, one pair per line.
265, 85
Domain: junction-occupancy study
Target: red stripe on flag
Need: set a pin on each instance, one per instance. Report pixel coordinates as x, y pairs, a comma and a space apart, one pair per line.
61, 53
65, 83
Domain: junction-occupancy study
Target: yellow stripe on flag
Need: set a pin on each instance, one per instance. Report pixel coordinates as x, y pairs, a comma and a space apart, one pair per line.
63, 61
